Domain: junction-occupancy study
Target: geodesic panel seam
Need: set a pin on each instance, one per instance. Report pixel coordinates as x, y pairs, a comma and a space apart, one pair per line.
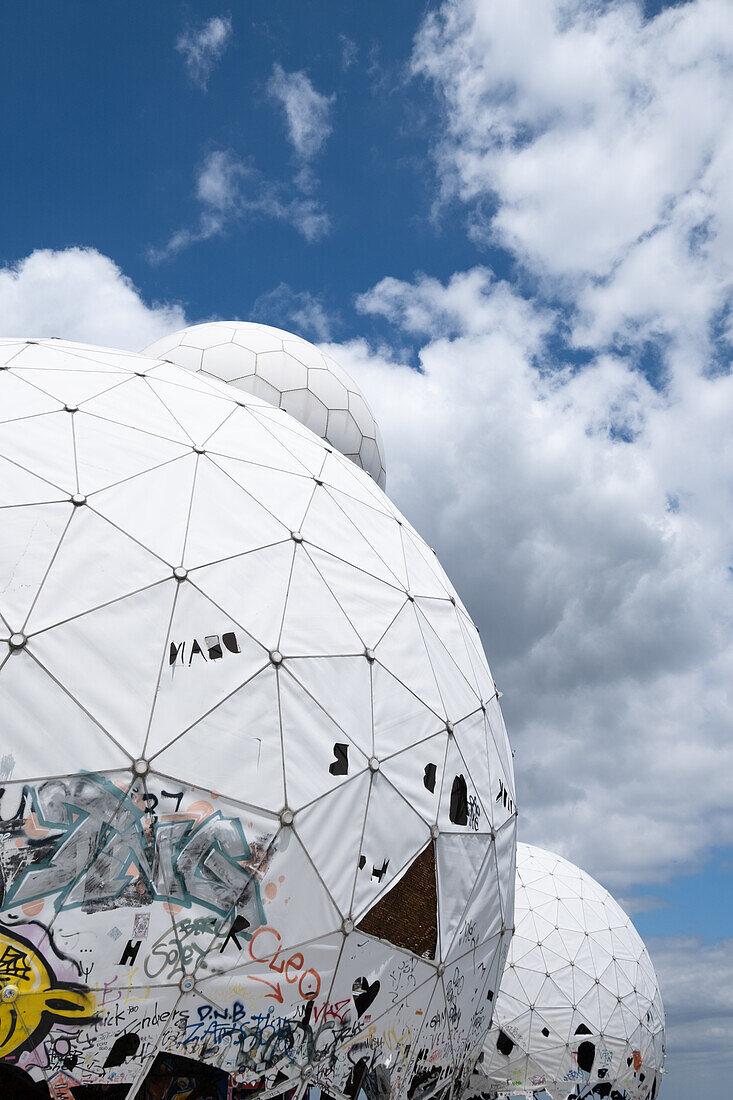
240, 701
579, 1007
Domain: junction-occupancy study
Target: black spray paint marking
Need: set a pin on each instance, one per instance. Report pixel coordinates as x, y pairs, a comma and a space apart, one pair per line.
340, 765
183, 653
459, 801
364, 994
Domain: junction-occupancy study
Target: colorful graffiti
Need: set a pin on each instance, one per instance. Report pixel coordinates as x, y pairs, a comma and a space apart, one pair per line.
96, 846
31, 998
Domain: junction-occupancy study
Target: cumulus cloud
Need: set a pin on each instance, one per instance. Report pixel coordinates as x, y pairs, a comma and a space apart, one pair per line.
231, 190
307, 112
79, 294
579, 513
595, 144
202, 47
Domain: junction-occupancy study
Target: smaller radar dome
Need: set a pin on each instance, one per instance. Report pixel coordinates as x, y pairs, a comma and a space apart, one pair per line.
288, 372
578, 1012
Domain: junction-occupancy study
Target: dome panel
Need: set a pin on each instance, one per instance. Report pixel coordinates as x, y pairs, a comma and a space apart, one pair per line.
221, 704
328, 401
567, 1014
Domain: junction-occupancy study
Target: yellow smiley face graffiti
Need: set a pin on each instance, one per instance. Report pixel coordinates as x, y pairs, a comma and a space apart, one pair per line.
31, 1000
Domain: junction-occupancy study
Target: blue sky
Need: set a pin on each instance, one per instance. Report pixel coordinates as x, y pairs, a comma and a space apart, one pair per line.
530, 204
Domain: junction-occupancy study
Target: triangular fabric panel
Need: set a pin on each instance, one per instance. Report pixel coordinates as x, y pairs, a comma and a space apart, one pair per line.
153, 507
206, 658
19, 399
331, 830
108, 453
417, 773
199, 414
31, 537
28, 695
19, 487
117, 678
44, 446
343, 688
401, 718
248, 525
95, 564
309, 596
386, 853
402, 652
290, 493
318, 754
236, 749
135, 404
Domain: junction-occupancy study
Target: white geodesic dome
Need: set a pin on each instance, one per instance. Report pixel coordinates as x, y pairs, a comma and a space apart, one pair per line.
289, 372
257, 803
579, 1011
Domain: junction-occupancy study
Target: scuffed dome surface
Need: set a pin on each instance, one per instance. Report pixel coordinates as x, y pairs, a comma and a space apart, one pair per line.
288, 372
311, 865
579, 1005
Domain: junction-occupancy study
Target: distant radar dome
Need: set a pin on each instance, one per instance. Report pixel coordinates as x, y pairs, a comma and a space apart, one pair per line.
578, 1012
288, 372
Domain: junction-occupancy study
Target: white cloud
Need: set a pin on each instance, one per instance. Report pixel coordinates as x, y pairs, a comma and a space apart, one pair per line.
307, 112
595, 145
231, 190
300, 311
697, 984
349, 51
579, 513
79, 294
203, 46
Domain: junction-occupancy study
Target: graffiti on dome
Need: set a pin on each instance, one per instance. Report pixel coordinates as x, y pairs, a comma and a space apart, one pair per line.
90, 845
32, 999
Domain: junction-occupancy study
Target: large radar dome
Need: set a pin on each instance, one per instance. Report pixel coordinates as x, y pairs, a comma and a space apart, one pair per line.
257, 794
288, 372
579, 1012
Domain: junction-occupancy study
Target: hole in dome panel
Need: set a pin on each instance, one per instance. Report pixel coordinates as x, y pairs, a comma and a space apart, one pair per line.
407, 915
394, 835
